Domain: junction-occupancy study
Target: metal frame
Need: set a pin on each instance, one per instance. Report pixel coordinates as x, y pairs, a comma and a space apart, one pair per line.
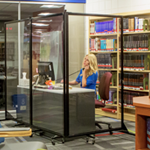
66, 75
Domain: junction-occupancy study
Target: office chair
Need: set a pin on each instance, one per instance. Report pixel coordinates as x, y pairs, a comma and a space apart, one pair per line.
103, 90
16, 132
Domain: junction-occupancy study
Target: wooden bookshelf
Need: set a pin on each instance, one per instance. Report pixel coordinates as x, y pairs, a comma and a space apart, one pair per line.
113, 36
128, 112
128, 116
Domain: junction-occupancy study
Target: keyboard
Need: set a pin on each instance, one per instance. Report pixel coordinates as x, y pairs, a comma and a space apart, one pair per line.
41, 86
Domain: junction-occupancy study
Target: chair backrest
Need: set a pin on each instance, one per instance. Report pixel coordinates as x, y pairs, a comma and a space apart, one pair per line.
104, 85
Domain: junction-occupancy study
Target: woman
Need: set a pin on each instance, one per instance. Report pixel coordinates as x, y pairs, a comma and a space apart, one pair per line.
88, 74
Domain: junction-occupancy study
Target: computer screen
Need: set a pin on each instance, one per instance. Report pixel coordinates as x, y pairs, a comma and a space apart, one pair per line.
46, 68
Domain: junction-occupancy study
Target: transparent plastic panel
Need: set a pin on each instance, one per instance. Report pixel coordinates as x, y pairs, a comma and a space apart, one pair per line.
37, 10
93, 51
18, 79
47, 67
136, 64
10, 13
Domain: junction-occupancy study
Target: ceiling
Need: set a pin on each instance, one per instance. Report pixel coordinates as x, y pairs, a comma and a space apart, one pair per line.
10, 11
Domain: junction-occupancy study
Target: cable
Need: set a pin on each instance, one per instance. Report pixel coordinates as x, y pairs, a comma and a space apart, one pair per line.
72, 73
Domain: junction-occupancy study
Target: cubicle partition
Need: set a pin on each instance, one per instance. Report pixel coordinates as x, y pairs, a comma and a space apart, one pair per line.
66, 112
18, 70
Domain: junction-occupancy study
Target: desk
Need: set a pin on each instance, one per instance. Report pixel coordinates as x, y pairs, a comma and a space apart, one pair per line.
142, 105
48, 109
8, 77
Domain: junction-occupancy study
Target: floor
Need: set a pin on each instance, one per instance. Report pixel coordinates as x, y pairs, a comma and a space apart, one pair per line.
117, 141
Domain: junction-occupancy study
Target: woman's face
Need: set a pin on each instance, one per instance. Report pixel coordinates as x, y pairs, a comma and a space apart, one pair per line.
86, 61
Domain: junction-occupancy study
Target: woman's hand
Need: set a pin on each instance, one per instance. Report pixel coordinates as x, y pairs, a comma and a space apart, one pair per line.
62, 81
86, 70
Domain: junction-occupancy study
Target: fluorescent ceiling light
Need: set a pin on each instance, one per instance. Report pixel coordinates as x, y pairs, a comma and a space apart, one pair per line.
51, 6
44, 21
40, 24
45, 14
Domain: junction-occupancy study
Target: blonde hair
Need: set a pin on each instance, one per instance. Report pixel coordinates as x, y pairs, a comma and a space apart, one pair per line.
92, 63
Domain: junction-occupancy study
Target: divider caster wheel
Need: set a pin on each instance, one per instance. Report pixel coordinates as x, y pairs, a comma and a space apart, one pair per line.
93, 141
63, 140
41, 133
53, 142
87, 140
110, 127
31, 135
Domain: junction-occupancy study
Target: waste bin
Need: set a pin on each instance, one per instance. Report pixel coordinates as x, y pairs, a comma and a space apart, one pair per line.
20, 102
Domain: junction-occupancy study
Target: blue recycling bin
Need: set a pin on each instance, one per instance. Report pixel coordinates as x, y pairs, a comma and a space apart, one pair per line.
20, 102
1, 139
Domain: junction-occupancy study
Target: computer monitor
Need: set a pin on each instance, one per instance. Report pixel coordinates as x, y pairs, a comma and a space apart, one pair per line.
46, 68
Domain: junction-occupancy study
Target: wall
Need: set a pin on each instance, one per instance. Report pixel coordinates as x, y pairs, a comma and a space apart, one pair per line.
112, 7
76, 39
116, 6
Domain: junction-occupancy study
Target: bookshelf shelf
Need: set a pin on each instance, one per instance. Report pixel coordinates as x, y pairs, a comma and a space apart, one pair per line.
143, 71
132, 108
99, 111
135, 52
141, 32
115, 105
97, 35
128, 116
111, 87
135, 90
108, 69
103, 52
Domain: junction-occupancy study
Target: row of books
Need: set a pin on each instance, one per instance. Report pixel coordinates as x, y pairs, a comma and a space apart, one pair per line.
136, 24
113, 79
107, 61
129, 25
135, 81
104, 27
136, 62
136, 43
128, 97
97, 44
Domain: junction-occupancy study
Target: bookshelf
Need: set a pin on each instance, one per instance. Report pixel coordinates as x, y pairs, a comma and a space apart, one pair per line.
113, 50
136, 33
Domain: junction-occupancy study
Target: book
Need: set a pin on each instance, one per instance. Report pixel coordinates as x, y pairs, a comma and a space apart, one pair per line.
92, 28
